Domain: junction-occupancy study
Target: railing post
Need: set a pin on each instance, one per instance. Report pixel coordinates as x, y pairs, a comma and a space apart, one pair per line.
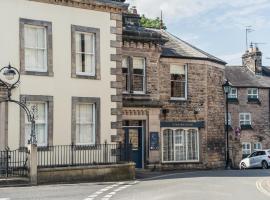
7, 161
105, 152
32, 148
72, 151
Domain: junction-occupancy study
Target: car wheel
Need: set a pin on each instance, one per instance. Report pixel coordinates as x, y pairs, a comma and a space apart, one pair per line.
264, 165
243, 165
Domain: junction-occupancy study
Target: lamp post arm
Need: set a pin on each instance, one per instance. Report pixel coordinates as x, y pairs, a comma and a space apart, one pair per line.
30, 117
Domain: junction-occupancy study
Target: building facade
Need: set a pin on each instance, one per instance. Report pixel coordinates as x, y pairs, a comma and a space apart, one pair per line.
67, 60
248, 106
173, 100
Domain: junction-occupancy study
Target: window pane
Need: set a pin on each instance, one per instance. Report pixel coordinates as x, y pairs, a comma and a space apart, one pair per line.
30, 58
192, 145
85, 124
39, 110
30, 38
138, 83
41, 38
138, 63
89, 43
125, 74
168, 145
178, 81
180, 145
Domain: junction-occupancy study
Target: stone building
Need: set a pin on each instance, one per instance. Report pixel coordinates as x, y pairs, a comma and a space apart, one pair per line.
248, 106
66, 54
173, 100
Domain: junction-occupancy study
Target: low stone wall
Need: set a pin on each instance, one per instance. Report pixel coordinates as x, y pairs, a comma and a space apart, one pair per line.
117, 172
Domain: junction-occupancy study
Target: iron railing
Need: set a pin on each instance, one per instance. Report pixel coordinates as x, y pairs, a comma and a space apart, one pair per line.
74, 155
13, 163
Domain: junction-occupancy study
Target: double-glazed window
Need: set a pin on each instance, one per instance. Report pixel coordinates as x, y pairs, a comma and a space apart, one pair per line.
244, 119
133, 75
178, 75
85, 124
233, 93
253, 93
35, 48
40, 111
246, 149
85, 53
180, 145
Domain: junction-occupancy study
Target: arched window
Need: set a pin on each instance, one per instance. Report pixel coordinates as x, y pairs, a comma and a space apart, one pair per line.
180, 145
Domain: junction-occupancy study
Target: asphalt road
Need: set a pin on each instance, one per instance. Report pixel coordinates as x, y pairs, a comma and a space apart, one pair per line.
200, 185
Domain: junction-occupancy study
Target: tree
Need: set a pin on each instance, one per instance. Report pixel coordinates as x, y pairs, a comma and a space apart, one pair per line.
152, 23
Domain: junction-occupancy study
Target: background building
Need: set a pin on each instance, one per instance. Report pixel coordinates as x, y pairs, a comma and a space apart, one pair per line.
173, 100
249, 105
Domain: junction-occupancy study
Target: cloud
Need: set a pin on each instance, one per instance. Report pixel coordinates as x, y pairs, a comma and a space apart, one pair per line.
234, 13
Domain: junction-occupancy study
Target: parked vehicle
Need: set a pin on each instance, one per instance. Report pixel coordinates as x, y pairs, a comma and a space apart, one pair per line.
258, 159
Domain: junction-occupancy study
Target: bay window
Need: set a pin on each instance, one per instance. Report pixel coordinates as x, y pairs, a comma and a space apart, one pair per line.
40, 112
178, 75
180, 145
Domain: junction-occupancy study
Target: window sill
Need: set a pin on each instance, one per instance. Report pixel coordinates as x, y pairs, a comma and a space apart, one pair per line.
81, 76
135, 94
233, 100
246, 127
37, 73
254, 101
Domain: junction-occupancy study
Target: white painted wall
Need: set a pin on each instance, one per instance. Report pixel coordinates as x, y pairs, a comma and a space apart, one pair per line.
61, 86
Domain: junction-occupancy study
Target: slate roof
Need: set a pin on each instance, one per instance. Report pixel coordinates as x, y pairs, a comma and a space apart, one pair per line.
177, 48
240, 76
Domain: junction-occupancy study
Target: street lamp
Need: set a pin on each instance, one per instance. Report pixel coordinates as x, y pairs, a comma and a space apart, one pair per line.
227, 89
10, 79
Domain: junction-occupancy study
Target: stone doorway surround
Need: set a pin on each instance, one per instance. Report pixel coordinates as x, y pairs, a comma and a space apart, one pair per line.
151, 118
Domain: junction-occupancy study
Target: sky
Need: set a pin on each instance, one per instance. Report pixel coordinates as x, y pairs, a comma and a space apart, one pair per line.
215, 26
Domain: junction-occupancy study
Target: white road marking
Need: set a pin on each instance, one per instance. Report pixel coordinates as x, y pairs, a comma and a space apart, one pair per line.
261, 188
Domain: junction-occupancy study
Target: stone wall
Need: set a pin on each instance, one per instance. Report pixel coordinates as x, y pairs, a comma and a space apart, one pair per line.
86, 174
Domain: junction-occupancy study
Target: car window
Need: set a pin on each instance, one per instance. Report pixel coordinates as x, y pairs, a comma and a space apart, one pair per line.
253, 154
261, 153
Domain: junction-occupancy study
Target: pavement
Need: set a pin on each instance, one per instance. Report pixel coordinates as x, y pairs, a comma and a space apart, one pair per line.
196, 185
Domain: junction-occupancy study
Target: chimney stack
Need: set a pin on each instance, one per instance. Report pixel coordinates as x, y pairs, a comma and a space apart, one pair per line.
253, 59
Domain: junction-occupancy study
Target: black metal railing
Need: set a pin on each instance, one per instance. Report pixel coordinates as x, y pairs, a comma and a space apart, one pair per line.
13, 163
78, 155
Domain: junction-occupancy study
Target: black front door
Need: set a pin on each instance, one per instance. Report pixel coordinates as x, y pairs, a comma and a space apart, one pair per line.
133, 135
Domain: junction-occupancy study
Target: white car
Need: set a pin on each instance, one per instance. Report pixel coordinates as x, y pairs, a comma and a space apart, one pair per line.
256, 159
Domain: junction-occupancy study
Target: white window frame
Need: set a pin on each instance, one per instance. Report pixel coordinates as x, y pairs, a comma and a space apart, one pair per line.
27, 68
251, 93
255, 145
186, 82
92, 54
93, 123
246, 143
229, 119
233, 95
37, 122
144, 75
245, 114
185, 129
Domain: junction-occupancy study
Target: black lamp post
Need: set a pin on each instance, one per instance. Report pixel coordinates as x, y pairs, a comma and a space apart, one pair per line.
10, 79
227, 89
